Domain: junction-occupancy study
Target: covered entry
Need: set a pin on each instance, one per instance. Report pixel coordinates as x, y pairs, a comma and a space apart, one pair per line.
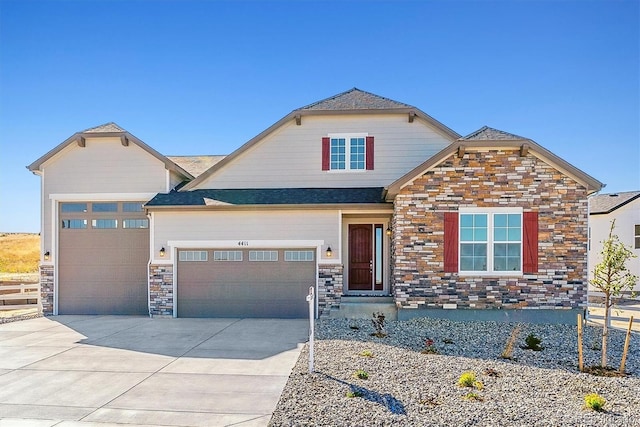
103, 254
245, 282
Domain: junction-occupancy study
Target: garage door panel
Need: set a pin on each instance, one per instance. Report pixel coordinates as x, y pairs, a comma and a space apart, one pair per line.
244, 288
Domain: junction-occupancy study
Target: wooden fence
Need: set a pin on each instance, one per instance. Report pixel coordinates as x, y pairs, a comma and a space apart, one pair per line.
20, 296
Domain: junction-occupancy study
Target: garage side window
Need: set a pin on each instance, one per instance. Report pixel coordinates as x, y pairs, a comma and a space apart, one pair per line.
192, 255
227, 255
263, 255
298, 255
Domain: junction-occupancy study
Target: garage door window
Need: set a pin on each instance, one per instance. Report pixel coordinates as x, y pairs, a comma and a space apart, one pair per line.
104, 223
135, 223
132, 207
227, 255
74, 223
105, 207
73, 207
263, 255
192, 255
298, 255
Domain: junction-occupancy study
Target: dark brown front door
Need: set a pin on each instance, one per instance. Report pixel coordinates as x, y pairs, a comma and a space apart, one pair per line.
360, 257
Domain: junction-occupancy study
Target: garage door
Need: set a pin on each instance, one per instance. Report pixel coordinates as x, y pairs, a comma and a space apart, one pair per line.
245, 283
103, 255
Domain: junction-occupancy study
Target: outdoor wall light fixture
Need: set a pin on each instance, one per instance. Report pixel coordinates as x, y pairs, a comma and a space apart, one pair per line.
388, 231
329, 252
47, 255
162, 251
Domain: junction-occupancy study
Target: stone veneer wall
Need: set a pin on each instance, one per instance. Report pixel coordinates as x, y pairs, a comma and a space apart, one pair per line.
161, 290
491, 178
47, 288
330, 278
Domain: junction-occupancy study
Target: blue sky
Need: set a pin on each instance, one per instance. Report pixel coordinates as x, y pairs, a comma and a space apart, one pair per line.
203, 77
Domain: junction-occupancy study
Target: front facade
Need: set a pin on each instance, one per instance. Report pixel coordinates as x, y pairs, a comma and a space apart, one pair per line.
355, 195
624, 208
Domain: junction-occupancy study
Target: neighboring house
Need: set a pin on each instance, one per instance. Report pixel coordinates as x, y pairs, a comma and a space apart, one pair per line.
624, 208
356, 195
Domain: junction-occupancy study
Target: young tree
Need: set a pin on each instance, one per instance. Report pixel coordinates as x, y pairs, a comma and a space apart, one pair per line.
611, 276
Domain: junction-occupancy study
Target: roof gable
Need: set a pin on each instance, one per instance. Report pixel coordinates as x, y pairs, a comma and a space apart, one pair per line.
480, 139
108, 130
355, 99
352, 101
607, 203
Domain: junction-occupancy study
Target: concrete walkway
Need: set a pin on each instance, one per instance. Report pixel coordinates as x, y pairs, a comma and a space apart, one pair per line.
119, 370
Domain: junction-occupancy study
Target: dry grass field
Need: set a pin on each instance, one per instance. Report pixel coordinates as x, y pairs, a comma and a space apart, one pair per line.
19, 253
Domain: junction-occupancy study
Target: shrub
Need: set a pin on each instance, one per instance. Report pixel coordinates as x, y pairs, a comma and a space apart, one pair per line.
473, 396
361, 374
351, 394
467, 379
366, 353
429, 348
532, 342
594, 401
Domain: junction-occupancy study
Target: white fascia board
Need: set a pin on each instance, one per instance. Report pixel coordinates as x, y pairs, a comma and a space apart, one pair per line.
242, 244
101, 196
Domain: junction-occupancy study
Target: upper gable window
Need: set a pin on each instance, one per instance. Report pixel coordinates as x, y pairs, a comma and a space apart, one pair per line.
347, 152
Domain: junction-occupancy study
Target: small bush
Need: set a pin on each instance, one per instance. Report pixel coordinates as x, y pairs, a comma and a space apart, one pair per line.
472, 395
351, 394
361, 374
366, 353
532, 342
429, 348
594, 401
467, 379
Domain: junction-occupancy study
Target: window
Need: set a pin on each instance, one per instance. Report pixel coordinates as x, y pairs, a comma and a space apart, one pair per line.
637, 235
132, 207
491, 242
104, 223
73, 207
192, 255
347, 152
298, 255
263, 255
135, 223
74, 223
105, 207
227, 255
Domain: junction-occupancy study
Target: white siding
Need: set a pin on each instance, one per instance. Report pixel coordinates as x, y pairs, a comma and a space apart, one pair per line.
247, 226
104, 165
292, 156
626, 218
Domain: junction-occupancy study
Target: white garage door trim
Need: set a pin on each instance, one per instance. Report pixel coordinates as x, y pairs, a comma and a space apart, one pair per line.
241, 244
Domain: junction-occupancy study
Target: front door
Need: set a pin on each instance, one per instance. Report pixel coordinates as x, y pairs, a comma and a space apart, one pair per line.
360, 257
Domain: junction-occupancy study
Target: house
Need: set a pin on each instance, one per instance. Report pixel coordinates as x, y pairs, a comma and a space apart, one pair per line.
356, 195
624, 208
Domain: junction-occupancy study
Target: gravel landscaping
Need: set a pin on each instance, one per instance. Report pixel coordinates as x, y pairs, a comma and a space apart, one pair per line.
407, 387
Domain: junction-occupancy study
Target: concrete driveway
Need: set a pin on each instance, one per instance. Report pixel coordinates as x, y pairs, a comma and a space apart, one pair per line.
89, 370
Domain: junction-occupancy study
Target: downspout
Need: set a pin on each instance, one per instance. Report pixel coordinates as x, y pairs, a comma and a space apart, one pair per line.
149, 265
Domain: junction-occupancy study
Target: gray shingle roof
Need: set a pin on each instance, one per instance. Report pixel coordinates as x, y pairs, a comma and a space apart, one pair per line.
355, 99
486, 133
606, 203
269, 196
195, 165
107, 127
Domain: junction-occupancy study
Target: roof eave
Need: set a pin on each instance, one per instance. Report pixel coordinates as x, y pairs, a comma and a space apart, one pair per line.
326, 206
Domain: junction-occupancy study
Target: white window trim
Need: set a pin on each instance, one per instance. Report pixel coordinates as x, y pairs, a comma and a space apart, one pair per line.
347, 137
490, 212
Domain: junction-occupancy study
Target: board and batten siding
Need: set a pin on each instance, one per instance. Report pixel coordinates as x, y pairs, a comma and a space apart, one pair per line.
238, 226
104, 165
292, 155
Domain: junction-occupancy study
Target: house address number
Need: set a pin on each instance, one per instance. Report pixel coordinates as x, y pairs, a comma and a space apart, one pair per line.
243, 243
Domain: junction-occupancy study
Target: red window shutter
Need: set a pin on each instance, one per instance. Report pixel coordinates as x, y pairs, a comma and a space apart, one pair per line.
369, 153
451, 242
326, 153
530, 242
